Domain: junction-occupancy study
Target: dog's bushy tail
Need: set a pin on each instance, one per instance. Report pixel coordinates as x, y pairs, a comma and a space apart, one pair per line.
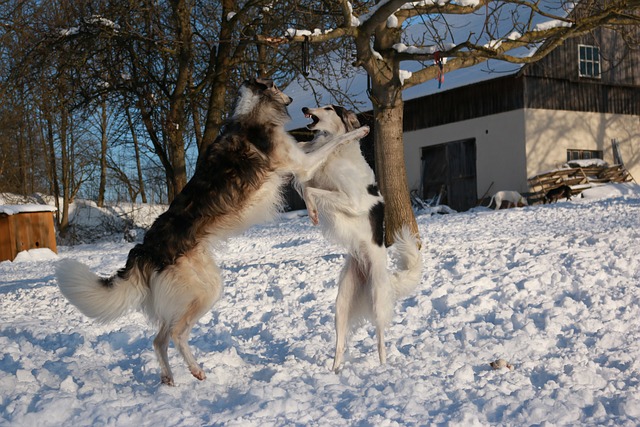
103, 299
409, 263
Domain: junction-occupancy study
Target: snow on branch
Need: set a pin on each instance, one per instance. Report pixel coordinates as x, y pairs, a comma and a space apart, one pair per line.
419, 4
495, 44
554, 23
404, 75
89, 23
291, 33
421, 50
101, 21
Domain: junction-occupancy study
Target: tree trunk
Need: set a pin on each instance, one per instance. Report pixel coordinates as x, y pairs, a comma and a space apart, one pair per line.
391, 171
175, 147
22, 158
66, 171
102, 188
176, 120
136, 148
220, 62
388, 111
52, 164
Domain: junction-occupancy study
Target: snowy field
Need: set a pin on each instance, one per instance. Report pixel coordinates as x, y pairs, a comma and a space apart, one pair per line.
553, 290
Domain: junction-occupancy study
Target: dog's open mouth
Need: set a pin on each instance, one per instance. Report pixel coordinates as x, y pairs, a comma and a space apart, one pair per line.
314, 119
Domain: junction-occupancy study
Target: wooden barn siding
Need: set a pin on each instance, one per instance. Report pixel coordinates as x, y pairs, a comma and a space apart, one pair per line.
515, 92
553, 94
467, 102
551, 83
620, 64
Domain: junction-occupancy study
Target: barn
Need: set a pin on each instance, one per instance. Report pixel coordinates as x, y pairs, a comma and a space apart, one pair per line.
582, 101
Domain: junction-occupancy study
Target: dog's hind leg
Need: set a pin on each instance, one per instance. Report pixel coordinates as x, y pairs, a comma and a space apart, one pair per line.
382, 350
498, 201
383, 298
161, 345
180, 335
347, 287
490, 201
382, 313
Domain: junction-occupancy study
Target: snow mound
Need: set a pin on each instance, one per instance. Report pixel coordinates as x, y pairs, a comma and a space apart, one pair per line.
41, 254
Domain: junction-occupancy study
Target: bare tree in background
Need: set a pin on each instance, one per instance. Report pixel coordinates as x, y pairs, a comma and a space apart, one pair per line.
176, 63
136, 148
386, 34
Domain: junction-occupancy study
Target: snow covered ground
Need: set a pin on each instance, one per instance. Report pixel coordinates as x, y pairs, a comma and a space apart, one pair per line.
553, 290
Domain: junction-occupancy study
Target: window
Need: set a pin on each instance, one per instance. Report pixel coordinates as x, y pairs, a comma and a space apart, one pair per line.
583, 154
589, 61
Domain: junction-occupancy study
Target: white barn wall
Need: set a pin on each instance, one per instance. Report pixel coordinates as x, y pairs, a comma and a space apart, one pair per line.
500, 150
550, 133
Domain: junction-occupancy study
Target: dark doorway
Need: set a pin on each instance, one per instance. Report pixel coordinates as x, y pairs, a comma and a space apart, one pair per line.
449, 170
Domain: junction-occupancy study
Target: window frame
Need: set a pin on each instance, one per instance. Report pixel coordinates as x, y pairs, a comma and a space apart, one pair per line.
591, 61
584, 154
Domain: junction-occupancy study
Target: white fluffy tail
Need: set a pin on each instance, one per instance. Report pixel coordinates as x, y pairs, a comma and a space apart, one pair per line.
409, 265
101, 299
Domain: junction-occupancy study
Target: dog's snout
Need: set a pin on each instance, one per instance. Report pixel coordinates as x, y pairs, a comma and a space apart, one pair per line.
290, 100
305, 110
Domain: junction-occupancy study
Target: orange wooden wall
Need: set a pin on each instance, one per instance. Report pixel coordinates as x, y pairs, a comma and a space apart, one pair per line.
24, 231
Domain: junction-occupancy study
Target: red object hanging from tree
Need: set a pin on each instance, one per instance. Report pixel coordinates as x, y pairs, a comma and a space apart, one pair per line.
437, 58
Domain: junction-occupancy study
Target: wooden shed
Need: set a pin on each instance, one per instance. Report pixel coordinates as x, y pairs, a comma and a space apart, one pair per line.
24, 227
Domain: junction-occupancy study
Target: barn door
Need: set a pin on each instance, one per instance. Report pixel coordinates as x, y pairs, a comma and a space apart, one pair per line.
450, 169
434, 172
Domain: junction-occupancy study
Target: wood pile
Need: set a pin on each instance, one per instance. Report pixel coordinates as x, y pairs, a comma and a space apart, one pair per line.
578, 178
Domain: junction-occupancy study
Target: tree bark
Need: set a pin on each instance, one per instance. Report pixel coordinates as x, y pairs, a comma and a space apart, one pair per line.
391, 171
51, 152
66, 170
220, 61
102, 188
388, 110
176, 119
136, 148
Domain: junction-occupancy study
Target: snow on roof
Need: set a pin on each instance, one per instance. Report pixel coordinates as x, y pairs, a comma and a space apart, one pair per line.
16, 209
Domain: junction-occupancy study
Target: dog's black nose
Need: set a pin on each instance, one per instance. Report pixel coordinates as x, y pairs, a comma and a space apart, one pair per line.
304, 110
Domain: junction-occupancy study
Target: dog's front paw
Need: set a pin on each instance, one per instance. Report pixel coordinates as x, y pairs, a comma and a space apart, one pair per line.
199, 374
313, 215
363, 130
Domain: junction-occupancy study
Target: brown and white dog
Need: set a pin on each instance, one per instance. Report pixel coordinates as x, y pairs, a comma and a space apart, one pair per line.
343, 197
171, 276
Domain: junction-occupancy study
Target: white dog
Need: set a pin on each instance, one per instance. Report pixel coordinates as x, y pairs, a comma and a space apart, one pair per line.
511, 197
171, 275
343, 198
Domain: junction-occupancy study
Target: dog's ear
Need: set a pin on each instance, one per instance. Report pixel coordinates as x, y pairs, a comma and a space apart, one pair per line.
350, 120
348, 117
265, 83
